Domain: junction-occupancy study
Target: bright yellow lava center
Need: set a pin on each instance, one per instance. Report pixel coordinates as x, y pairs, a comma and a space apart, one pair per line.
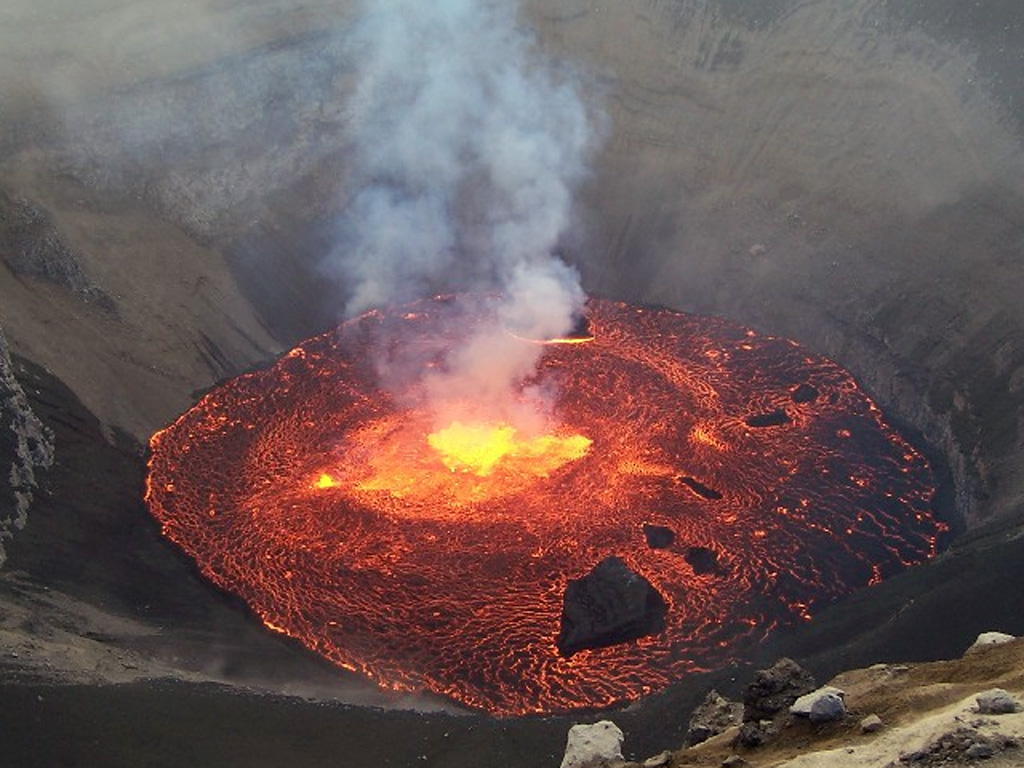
479, 448
464, 464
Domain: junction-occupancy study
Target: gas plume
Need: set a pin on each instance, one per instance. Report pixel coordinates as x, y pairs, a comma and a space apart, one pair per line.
469, 143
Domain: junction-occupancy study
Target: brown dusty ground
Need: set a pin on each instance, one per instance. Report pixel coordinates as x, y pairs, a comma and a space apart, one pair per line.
918, 704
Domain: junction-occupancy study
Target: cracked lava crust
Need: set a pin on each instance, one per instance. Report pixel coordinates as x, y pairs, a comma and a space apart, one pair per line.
747, 480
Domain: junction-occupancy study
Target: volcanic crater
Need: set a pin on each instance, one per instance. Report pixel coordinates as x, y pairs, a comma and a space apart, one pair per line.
846, 175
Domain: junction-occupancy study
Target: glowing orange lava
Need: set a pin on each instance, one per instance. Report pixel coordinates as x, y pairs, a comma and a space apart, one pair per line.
480, 448
747, 480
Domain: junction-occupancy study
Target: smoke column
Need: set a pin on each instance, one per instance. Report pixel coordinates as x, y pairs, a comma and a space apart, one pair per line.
468, 148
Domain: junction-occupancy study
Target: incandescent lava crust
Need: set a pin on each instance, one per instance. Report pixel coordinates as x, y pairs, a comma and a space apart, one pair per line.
769, 481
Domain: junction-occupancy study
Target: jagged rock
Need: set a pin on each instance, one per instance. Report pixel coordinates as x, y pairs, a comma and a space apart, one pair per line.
610, 605
774, 690
996, 702
593, 746
658, 760
991, 638
26, 443
871, 724
734, 761
715, 715
755, 734
955, 746
822, 705
979, 750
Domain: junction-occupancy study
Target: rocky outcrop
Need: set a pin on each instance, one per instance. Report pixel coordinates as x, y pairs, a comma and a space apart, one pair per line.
944, 713
26, 446
611, 604
766, 701
959, 746
31, 246
715, 715
775, 689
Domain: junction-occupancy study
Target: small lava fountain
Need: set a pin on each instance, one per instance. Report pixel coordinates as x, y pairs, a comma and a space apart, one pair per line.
741, 480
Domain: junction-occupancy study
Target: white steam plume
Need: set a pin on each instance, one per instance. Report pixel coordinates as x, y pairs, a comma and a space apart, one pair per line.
468, 148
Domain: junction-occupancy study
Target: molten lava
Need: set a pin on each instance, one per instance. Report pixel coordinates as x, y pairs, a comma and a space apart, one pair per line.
747, 480
479, 448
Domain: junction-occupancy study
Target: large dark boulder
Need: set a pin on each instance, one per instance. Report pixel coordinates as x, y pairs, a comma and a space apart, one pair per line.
611, 604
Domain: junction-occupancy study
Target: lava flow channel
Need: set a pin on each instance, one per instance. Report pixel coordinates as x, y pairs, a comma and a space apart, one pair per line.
771, 482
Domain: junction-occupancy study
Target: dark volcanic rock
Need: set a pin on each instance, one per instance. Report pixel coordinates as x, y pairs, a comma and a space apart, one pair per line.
610, 605
700, 489
804, 393
958, 745
774, 690
702, 560
772, 419
996, 702
658, 536
829, 708
754, 735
